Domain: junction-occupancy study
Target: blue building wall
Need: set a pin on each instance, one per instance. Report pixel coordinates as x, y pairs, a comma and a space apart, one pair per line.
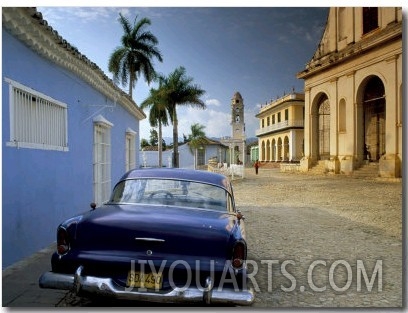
41, 188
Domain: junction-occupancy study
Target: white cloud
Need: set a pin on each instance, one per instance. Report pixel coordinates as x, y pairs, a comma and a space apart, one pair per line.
84, 14
213, 102
216, 122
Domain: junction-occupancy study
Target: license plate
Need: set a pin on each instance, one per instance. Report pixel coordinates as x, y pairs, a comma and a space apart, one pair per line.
144, 280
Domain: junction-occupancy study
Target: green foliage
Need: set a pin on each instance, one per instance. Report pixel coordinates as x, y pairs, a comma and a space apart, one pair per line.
144, 143
197, 137
174, 90
153, 137
134, 57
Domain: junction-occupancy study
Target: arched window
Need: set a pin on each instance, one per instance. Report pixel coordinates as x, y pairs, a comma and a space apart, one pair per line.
286, 148
342, 116
263, 151
274, 158
268, 150
280, 146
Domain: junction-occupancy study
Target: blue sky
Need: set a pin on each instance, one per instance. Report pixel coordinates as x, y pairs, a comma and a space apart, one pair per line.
256, 51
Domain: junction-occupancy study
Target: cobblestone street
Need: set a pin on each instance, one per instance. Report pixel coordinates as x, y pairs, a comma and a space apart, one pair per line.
314, 241
331, 226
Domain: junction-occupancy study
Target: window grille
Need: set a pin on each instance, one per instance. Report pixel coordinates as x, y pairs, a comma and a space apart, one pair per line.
36, 120
102, 160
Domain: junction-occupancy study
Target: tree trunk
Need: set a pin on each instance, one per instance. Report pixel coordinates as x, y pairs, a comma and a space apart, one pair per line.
130, 89
160, 145
131, 79
175, 138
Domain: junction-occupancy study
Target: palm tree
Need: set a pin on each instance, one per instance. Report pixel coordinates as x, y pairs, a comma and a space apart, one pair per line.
134, 57
177, 89
196, 139
158, 116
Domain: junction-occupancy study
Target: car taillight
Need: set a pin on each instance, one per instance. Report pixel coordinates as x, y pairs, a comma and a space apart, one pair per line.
62, 241
238, 255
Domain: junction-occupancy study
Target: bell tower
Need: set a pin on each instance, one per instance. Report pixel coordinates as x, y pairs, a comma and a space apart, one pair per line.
237, 117
236, 142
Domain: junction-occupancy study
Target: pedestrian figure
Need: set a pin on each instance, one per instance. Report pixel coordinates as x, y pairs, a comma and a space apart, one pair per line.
257, 165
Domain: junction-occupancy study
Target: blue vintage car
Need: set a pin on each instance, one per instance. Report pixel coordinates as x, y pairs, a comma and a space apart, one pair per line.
165, 235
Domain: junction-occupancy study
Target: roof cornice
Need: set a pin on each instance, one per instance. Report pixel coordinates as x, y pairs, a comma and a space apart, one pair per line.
382, 37
27, 25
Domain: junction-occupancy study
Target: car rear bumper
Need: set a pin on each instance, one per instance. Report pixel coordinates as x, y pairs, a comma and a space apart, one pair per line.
91, 285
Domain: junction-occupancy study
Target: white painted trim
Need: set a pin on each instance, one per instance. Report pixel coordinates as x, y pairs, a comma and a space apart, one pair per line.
130, 131
99, 119
28, 145
34, 92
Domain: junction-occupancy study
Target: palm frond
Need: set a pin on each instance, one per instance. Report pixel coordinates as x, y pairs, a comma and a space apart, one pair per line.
134, 58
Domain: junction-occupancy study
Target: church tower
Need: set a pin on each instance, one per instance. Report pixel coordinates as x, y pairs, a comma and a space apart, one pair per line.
236, 142
237, 117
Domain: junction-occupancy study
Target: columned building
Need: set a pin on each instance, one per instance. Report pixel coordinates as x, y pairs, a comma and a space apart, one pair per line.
353, 93
236, 142
280, 136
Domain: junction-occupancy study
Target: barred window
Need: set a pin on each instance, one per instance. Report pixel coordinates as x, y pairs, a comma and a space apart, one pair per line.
36, 120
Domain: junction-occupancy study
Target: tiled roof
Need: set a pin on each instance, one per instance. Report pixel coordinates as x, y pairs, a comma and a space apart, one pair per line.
28, 25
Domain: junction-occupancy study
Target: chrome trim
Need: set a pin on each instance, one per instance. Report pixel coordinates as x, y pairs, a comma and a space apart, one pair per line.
208, 290
77, 280
149, 239
90, 285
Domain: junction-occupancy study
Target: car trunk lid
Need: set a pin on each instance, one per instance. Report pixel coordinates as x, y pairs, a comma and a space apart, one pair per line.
155, 232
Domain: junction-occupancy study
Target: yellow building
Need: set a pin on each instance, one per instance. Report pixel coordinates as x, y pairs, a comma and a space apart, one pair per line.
353, 93
280, 133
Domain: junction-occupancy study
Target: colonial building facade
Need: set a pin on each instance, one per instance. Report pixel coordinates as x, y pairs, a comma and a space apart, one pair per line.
353, 93
68, 133
280, 130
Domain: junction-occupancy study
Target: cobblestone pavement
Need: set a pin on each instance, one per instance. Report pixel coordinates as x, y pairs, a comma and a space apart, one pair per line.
313, 241
312, 237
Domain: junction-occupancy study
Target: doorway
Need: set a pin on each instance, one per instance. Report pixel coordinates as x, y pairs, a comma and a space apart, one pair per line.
374, 119
324, 128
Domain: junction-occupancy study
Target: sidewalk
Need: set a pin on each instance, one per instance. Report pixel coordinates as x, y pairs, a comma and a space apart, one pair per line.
20, 282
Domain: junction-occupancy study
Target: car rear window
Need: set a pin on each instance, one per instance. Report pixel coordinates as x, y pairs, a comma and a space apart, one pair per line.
170, 192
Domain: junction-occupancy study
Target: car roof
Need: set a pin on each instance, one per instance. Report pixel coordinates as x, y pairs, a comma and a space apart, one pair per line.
178, 173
